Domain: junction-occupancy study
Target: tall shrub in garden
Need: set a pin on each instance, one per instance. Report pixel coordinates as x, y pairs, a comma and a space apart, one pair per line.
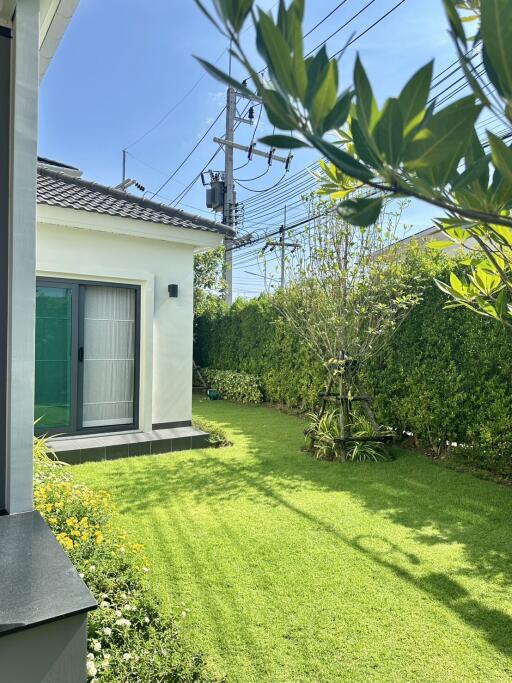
345, 296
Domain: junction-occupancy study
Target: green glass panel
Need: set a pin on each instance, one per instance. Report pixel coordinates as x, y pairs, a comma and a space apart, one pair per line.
53, 357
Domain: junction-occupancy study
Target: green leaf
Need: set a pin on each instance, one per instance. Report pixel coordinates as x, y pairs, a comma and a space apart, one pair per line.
457, 285
339, 113
224, 77
362, 212
501, 303
389, 132
275, 51
364, 146
299, 71
449, 290
278, 110
238, 12
496, 33
345, 162
485, 281
455, 21
282, 141
457, 234
501, 156
439, 244
478, 171
325, 97
414, 96
316, 67
445, 137
366, 105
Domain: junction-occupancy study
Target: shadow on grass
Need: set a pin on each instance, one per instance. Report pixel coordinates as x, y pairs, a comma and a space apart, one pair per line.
439, 505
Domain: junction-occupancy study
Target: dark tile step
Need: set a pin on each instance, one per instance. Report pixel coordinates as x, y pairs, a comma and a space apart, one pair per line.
76, 450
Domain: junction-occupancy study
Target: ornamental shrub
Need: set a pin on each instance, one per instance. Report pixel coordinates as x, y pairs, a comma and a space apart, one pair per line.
128, 638
234, 386
218, 437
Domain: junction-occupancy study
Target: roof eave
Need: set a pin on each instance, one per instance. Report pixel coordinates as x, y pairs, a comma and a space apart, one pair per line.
55, 16
199, 222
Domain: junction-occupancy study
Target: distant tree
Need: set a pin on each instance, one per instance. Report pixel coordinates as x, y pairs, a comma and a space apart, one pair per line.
209, 283
408, 148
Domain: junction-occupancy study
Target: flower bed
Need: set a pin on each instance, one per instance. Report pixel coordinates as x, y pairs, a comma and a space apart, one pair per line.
128, 640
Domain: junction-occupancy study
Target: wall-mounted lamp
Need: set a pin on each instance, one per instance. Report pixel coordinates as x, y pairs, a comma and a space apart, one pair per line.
173, 291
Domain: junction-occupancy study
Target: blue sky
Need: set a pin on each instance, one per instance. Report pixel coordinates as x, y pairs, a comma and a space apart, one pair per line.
123, 65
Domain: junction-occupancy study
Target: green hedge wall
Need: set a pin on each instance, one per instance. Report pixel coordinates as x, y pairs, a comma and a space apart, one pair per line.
446, 374
251, 337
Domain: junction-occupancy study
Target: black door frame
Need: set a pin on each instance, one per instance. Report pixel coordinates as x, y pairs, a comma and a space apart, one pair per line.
77, 368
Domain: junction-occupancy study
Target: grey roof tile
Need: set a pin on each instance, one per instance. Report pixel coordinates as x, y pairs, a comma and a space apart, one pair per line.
60, 189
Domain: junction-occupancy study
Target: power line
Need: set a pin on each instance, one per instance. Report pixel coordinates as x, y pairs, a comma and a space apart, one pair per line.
268, 189
375, 23
175, 105
325, 18
180, 166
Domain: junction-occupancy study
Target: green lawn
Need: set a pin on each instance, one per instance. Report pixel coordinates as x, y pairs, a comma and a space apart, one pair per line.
297, 570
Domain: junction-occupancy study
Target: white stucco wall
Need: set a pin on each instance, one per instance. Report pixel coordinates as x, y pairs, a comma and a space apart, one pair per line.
83, 245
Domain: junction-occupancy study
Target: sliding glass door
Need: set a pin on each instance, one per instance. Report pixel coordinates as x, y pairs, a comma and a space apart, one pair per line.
86, 356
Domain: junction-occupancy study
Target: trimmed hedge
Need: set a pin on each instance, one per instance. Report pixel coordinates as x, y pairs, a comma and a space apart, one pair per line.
235, 386
445, 376
251, 337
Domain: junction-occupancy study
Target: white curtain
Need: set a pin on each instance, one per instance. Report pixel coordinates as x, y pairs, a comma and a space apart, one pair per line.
109, 356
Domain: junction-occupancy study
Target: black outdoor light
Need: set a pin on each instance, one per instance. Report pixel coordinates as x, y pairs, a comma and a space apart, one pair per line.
173, 291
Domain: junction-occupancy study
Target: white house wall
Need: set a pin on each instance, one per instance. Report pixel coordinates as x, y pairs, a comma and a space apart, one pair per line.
166, 324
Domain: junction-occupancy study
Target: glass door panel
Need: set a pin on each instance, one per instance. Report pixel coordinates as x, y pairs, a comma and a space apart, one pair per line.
109, 336
54, 354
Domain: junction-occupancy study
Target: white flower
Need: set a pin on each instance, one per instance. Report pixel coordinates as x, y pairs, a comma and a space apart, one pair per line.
145, 570
81, 575
129, 608
97, 646
118, 613
104, 603
92, 567
91, 669
183, 615
107, 631
127, 656
90, 655
123, 622
146, 620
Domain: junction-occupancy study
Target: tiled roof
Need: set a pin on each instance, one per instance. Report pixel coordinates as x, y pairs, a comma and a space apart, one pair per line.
61, 189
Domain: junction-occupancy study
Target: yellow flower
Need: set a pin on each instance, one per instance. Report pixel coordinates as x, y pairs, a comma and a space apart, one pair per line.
99, 537
65, 541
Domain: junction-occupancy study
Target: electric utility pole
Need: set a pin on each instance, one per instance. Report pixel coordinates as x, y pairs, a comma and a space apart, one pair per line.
283, 245
228, 203
229, 191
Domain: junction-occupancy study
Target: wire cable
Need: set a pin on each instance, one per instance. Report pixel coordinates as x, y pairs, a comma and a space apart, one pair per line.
180, 166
